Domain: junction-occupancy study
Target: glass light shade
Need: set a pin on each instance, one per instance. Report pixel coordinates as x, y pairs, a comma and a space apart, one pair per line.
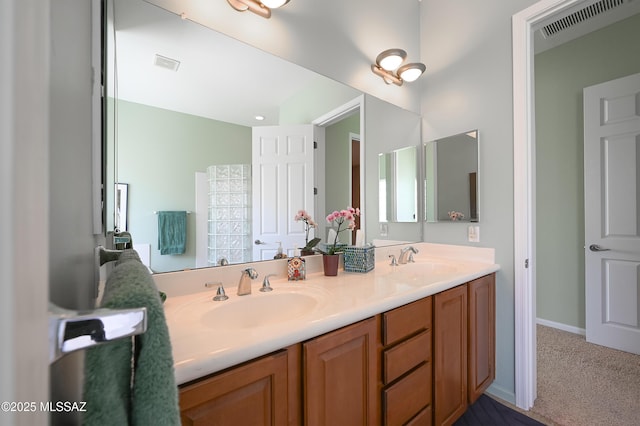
391, 59
411, 72
274, 4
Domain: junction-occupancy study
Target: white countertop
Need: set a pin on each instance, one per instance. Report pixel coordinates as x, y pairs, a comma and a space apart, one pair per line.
202, 346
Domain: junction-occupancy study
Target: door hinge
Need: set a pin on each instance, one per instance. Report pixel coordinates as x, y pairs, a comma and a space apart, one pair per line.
526, 263
315, 145
315, 191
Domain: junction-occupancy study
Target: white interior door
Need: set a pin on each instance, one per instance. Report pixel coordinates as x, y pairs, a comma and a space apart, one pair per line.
282, 184
612, 219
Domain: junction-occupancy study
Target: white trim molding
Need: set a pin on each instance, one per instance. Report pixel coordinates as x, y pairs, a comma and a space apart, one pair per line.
561, 326
523, 24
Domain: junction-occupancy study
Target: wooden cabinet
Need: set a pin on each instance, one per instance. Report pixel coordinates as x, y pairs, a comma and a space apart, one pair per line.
416, 365
450, 354
406, 364
265, 391
340, 371
482, 340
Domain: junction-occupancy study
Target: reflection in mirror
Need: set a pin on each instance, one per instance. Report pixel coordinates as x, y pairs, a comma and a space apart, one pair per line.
169, 121
398, 185
451, 176
167, 127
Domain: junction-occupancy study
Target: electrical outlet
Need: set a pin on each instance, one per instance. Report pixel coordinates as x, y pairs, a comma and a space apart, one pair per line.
473, 233
384, 229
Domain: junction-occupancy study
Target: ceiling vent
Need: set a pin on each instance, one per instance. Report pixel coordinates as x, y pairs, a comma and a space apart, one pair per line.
168, 63
581, 15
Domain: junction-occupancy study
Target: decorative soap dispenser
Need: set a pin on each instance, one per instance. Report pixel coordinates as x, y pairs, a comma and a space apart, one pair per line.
280, 254
296, 269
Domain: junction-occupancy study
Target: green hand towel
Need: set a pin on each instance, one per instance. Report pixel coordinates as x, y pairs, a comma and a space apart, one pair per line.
172, 232
116, 391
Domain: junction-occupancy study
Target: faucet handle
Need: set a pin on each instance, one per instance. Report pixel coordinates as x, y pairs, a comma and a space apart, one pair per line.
253, 274
266, 285
394, 262
220, 294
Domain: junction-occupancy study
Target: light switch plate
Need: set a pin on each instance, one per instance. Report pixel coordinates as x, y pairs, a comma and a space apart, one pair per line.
473, 233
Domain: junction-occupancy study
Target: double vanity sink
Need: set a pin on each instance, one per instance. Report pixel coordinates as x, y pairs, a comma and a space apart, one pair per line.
208, 336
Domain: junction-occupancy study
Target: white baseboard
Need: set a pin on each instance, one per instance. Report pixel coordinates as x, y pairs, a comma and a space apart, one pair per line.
560, 326
502, 393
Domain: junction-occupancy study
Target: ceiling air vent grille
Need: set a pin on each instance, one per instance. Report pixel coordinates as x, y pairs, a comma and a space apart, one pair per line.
168, 63
580, 16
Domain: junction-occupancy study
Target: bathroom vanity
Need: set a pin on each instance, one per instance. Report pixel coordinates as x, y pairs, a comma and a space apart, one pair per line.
411, 344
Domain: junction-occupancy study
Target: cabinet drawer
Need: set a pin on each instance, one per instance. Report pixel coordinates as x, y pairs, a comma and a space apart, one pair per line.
406, 320
409, 396
424, 418
406, 355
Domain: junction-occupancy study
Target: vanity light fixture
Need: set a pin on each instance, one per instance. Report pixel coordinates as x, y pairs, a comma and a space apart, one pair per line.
388, 67
262, 8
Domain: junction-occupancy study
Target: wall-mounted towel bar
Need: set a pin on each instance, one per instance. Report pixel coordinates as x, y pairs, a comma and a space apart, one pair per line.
155, 212
72, 330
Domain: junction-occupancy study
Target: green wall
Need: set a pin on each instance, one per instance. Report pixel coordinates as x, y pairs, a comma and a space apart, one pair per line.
338, 163
560, 75
159, 152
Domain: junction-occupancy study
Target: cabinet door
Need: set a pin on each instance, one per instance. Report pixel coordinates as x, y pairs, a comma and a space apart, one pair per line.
450, 354
261, 392
482, 330
341, 376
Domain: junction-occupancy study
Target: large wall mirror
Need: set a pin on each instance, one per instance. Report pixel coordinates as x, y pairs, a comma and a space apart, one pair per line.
182, 105
451, 178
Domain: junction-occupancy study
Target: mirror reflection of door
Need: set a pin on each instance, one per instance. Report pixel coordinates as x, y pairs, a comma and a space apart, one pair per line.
355, 181
282, 184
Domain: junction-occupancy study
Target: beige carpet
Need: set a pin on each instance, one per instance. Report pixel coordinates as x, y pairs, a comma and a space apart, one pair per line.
581, 384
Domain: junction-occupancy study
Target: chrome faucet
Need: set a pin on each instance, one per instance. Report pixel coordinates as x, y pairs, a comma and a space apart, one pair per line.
244, 287
406, 253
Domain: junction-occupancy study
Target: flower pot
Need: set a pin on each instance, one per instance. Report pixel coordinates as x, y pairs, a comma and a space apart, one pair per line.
330, 263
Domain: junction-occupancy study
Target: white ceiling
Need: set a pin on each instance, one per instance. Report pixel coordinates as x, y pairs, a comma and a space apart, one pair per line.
212, 68
227, 80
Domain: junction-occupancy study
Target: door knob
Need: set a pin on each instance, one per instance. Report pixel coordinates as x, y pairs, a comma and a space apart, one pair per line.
595, 247
258, 242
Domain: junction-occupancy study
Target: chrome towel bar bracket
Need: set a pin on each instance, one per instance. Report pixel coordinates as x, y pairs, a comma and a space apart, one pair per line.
72, 330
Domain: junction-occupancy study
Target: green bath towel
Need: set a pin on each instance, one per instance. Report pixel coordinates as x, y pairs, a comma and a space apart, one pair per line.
172, 232
117, 392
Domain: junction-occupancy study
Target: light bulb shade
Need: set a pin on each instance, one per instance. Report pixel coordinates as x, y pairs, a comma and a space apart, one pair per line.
274, 4
411, 72
391, 59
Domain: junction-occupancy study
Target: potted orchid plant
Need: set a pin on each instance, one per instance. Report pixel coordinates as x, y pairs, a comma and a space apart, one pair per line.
344, 219
305, 217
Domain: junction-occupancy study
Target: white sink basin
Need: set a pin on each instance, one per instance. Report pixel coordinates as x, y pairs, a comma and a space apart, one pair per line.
255, 310
252, 311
